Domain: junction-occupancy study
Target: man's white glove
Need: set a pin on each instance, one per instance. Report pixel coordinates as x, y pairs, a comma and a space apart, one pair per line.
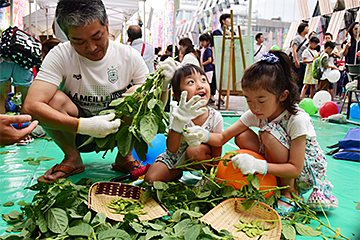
98, 126
185, 111
248, 164
168, 67
194, 136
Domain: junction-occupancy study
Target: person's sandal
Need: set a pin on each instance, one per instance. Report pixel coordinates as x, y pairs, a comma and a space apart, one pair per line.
284, 211
127, 167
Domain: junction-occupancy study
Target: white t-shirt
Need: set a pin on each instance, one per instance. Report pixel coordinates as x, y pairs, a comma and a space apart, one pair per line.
298, 125
324, 60
309, 54
190, 59
260, 53
93, 84
148, 55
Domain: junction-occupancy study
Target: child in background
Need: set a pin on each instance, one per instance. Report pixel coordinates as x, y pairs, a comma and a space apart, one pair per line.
308, 57
206, 59
190, 81
287, 138
324, 83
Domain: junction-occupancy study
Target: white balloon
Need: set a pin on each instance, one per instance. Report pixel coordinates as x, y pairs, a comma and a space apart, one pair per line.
321, 97
333, 76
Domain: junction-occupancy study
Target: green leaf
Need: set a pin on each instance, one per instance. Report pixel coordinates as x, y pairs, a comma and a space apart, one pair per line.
152, 103
43, 158
183, 226
255, 182
204, 194
8, 204
141, 149
116, 102
29, 159
88, 141
35, 163
107, 111
102, 142
193, 232
41, 222
288, 231
124, 141
158, 185
306, 230
149, 127
151, 233
246, 205
23, 203
99, 218
57, 220
154, 226
177, 215
113, 233
87, 217
137, 227
82, 229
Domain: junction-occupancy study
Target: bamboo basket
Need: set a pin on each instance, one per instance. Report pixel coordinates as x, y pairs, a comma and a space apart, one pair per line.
101, 193
228, 213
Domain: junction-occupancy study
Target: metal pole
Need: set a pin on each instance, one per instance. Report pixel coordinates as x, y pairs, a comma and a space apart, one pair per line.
11, 12
47, 25
176, 7
36, 19
30, 17
144, 23
249, 27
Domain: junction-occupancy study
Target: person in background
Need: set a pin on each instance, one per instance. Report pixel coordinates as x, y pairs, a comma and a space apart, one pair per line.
314, 34
206, 60
189, 53
169, 51
323, 83
9, 134
259, 48
192, 91
350, 45
308, 57
225, 20
19, 77
299, 44
78, 79
146, 50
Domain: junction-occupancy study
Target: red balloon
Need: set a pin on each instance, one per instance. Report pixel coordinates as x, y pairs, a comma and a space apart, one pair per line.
231, 175
327, 109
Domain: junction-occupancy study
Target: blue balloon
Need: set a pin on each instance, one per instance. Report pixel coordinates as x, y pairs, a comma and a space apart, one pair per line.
159, 147
354, 110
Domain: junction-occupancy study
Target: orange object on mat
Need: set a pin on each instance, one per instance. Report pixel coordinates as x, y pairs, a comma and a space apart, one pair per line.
231, 175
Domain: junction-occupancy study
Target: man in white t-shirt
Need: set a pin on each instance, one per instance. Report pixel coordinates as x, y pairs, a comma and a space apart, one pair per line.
146, 50
77, 80
259, 48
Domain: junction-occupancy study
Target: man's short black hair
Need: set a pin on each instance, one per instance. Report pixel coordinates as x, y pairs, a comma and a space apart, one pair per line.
301, 27
314, 40
328, 34
134, 32
257, 36
330, 44
223, 17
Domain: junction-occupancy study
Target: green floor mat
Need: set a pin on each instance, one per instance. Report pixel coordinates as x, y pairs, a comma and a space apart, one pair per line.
16, 174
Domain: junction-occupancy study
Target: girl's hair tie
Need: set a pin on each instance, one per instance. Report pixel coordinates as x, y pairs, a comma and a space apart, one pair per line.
270, 58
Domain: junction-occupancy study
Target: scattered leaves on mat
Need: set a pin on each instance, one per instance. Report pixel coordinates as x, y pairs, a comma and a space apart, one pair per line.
357, 206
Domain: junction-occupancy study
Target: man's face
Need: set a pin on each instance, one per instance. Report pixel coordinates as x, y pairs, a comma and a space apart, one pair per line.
328, 38
227, 22
90, 41
261, 39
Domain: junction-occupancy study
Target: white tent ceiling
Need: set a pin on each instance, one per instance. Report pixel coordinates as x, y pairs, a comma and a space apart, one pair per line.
117, 11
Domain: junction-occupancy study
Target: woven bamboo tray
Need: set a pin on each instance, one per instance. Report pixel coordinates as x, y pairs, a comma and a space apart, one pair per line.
228, 213
103, 192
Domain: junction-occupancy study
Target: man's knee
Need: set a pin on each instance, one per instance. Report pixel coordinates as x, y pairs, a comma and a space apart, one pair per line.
62, 103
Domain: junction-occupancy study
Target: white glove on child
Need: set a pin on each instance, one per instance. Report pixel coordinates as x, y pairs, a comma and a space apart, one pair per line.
194, 136
186, 111
98, 126
248, 164
168, 67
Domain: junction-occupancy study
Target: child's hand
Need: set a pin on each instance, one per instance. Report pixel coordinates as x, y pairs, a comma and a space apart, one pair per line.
194, 136
168, 70
248, 164
186, 111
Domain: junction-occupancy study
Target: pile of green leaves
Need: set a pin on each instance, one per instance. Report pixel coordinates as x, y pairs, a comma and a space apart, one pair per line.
60, 211
148, 118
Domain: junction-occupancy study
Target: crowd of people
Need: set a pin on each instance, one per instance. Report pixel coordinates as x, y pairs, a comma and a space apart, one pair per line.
80, 77
305, 48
